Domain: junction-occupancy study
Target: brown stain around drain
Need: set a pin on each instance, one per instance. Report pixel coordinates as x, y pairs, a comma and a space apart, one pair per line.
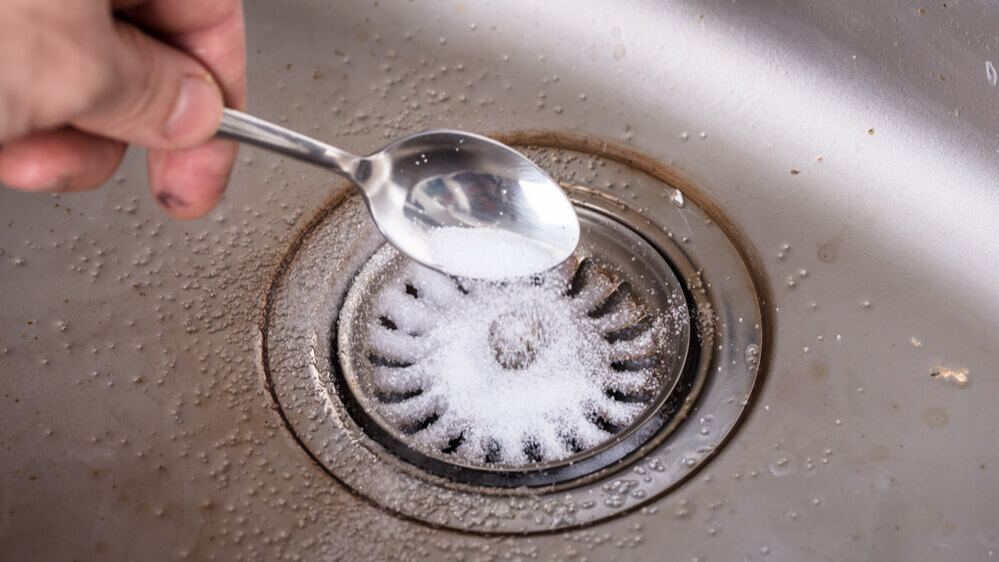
935, 417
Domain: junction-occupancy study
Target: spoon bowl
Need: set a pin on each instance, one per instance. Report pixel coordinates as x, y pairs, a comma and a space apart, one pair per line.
457, 202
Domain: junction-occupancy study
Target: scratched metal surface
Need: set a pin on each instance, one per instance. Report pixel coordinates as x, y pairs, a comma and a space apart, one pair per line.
854, 144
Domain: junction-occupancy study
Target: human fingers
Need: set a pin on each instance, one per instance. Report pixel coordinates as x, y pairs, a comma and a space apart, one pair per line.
60, 160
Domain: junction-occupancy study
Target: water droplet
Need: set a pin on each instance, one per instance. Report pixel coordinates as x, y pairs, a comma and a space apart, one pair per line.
682, 509
781, 466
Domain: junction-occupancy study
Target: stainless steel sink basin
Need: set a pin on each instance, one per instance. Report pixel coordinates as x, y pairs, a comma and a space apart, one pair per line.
852, 146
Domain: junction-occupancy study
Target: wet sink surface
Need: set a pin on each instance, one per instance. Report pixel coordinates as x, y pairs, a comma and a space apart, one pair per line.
853, 146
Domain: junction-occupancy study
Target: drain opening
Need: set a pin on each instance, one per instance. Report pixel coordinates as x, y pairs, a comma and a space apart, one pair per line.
522, 383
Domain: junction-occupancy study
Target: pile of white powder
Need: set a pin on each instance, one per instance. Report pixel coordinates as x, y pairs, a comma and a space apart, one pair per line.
556, 373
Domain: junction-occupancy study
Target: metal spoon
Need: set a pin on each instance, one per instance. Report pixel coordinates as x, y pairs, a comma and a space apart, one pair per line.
422, 183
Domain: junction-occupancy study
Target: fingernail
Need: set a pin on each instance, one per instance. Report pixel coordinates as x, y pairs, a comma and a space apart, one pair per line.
199, 102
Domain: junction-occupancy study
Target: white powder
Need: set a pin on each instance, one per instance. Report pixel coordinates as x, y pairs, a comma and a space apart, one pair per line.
509, 366
489, 253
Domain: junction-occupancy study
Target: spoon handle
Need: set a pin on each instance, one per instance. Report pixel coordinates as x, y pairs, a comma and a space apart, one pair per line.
245, 128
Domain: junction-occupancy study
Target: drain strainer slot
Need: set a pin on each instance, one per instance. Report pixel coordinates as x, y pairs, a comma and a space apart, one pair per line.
657, 315
525, 383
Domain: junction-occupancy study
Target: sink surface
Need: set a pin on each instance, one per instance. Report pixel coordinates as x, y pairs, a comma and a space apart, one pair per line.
853, 145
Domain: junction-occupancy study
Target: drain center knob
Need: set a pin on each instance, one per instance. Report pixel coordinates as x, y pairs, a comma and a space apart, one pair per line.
516, 338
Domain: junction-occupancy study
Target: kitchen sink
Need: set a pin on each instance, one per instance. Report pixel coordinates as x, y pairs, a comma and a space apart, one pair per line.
821, 174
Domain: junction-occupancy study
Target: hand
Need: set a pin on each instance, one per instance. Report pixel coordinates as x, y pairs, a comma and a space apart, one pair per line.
80, 79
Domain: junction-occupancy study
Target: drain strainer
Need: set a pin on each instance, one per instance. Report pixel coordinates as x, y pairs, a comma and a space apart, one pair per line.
529, 405
518, 383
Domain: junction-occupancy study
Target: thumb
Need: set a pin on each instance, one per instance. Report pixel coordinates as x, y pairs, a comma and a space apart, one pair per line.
154, 96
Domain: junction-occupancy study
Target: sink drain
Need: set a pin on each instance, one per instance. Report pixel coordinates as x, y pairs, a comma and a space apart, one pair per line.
530, 405
522, 383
